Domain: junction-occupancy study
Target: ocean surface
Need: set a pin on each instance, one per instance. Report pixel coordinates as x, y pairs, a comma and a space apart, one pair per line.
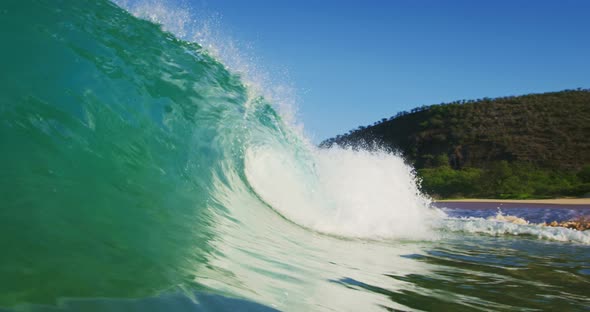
141, 173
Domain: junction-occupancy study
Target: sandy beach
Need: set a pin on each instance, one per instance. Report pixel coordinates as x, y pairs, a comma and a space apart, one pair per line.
556, 201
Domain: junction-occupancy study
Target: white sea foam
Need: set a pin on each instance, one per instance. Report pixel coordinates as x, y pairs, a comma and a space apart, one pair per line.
499, 227
343, 192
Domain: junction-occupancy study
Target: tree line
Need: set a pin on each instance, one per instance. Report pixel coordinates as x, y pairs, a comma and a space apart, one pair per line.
462, 144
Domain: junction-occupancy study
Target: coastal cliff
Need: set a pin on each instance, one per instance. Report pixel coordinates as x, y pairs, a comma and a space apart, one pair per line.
534, 145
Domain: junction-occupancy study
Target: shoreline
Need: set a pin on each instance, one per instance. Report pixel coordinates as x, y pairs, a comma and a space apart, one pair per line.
555, 201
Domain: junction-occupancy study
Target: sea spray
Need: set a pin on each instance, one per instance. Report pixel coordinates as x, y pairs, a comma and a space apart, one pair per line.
193, 23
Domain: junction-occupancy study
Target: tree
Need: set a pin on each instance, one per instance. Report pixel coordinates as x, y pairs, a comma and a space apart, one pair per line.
584, 174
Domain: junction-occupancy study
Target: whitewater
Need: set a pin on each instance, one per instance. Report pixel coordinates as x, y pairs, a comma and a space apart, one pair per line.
147, 166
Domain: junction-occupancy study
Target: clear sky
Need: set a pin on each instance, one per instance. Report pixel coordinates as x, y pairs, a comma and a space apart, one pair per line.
355, 62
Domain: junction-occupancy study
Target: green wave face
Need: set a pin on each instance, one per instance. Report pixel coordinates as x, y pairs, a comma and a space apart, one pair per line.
111, 132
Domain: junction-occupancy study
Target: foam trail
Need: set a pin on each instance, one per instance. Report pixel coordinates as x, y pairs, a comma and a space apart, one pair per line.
515, 227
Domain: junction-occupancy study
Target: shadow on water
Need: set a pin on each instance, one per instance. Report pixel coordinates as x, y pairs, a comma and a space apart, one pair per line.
483, 273
174, 302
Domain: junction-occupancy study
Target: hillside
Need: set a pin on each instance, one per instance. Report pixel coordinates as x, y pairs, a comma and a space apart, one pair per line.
547, 133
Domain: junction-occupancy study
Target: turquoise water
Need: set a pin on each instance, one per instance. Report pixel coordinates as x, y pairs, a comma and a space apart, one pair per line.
139, 173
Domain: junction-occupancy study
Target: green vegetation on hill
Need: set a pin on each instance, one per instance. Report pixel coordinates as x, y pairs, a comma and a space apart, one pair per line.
535, 145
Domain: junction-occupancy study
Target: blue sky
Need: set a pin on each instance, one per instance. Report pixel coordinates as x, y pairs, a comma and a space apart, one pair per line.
355, 62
